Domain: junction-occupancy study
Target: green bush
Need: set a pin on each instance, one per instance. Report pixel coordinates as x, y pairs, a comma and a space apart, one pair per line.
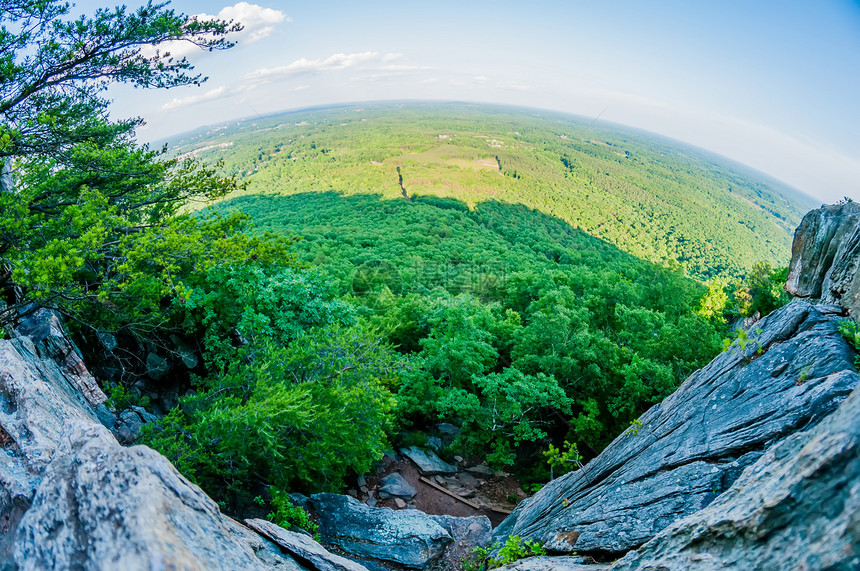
851, 332
298, 417
288, 515
119, 398
515, 549
512, 550
505, 409
235, 308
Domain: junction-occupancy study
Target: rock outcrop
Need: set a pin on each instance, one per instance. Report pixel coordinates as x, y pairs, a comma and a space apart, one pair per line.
72, 498
382, 538
102, 506
826, 257
798, 507
792, 373
753, 463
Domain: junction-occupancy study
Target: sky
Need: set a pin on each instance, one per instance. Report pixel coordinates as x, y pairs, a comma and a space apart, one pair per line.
771, 84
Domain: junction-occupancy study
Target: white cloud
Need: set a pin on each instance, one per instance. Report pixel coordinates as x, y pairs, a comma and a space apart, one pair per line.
191, 100
257, 22
403, 67
312, 66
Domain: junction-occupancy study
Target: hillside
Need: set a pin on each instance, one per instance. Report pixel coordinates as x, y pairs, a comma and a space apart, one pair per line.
651, 197
468, 295
752, 463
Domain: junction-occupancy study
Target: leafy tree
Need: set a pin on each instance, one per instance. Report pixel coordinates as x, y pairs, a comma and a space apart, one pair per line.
91, 225
236, 309
464, 340
713, 304
53, 67
507, 408
767, 288
302, 416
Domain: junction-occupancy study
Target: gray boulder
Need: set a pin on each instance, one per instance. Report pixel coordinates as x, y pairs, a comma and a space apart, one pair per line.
156, 366
797, 507
825, 257
385, 538
130, 422
395, 486
72, 498
102, 506
428, 462
466, 533
303, 547
795, 370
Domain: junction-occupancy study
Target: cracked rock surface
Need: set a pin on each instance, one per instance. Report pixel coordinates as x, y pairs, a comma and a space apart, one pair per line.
825, 257
694, 445
72, 498
798, 507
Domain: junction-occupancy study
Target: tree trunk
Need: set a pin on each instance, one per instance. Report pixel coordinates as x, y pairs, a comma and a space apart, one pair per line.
6, 184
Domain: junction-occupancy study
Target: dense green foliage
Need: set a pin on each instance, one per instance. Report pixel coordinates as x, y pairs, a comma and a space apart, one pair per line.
851, 332
498, 554
297, 417
517, 327
289, 516
651, 197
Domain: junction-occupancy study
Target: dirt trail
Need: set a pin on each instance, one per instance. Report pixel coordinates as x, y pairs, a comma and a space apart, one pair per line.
493, 493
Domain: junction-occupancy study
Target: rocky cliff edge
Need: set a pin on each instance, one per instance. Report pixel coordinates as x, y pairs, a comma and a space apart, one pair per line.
753, 463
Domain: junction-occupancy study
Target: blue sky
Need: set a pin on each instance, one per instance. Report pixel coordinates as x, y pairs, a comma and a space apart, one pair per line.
772, 84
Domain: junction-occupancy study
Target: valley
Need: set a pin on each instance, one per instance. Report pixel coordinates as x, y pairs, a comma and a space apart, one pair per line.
654, 198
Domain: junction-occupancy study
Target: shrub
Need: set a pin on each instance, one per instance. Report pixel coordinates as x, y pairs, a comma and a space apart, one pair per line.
297, 417
851, 332
288, 515
512, 550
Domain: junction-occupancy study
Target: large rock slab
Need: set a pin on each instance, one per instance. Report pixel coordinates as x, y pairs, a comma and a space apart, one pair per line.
72, 498
428, 462
36, 401
568, 563
102, 506
825, 257
383, 538
44, 329
696, 443
797, 507
303, 547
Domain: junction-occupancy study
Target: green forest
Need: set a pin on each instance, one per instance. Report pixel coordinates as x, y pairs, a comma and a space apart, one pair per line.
361, 274
653, 198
